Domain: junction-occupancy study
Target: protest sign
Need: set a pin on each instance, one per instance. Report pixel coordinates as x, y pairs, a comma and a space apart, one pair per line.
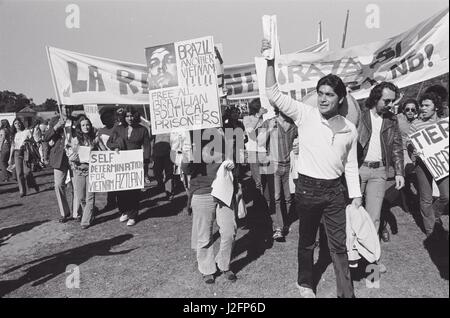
112, 171
411, 57
241, 80
91, 111
414, 56
182, 85
220, 71
84, 153
85, 79
269, 23
431, 144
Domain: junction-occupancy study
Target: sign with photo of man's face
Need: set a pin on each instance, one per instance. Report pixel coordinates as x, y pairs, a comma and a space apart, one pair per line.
182, 84
162, 67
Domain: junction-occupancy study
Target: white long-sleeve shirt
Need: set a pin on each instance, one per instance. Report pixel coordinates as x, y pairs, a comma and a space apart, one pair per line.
327, 148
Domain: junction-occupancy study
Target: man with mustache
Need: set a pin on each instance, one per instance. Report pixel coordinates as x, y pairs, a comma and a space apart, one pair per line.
379, 147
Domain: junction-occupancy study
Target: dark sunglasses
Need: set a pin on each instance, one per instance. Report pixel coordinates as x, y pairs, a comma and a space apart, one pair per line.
413, 110
388, 101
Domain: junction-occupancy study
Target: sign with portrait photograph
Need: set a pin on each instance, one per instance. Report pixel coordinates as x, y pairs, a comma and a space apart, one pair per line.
182, 85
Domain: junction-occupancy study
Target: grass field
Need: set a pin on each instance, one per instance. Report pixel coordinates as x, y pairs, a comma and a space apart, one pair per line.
154, 259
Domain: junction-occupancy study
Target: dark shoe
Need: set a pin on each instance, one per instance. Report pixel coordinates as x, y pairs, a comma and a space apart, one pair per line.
36, 188
78, 219
230, 275
64, 219
385, 236
22, 195
84, 227
208, 279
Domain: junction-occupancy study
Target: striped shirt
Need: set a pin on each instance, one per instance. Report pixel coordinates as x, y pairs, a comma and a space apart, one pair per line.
419, 124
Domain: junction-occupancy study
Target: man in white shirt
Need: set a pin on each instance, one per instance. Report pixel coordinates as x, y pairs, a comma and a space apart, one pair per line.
328, 149
380, 147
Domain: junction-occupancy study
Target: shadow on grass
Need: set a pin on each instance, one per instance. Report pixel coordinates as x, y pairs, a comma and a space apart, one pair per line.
47, 268
7, 233
437, 247
10, 190
10, 206
256, 241
41, 191
151, 210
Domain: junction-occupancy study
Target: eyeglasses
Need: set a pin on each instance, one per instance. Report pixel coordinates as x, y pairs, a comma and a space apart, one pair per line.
413, 110
388, 101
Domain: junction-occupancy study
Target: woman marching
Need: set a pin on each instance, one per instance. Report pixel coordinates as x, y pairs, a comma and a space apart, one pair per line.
430, 112
130, 135
19, 136
84, 137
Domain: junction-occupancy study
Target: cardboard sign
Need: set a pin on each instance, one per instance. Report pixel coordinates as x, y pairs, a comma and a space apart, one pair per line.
431, 144
182, 83
111, 171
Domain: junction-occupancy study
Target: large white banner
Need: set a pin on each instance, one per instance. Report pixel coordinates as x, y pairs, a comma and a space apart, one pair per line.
111, 171
85, 79
183, 86
241, 80
414, 56
431, 144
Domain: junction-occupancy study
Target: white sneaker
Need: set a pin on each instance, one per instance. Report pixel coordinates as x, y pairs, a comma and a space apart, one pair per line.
131, 222
305, 292
123, 218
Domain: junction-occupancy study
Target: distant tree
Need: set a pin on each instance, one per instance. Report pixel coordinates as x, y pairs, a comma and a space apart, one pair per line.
12, 102
49, 105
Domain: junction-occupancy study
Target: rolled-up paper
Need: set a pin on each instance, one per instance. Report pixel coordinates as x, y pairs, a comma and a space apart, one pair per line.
270, 33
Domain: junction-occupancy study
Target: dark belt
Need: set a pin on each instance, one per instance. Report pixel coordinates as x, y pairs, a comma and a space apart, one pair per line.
325, 183
373, 164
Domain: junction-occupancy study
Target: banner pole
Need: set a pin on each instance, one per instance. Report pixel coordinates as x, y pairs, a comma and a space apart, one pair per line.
345, 29
145, 111
420, 90
53, 80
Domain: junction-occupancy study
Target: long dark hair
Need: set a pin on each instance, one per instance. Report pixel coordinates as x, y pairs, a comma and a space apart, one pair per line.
377, 92
4, 124
84, 138
13, 128
134, 113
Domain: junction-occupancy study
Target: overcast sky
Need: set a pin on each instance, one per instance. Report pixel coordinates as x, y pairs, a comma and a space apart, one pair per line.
122, 29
